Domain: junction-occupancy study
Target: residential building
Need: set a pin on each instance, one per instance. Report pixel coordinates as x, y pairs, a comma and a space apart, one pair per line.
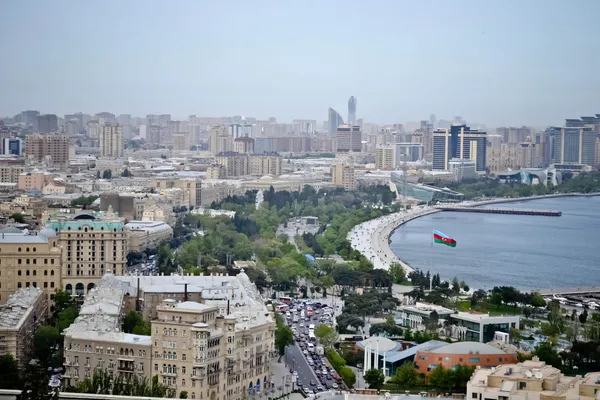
33, 180
191, 186
126, 205
46, 123
575, 145
23, 311
244, 145
52, 149
335, 120
12, 147
459, 141
534, 380
408, 152
480, 327
93, 244
212, 336
181, 142
349, 138
216, 171
30, 260
148, 234
220, 140
462, 169
385, 157
111, 141
266, 164
342, 175
235, 164
473, 354
9, 173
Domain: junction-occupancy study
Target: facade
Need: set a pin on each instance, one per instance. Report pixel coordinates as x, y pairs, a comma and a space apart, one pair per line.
235, 164
244, 145
473, 354
575, 145
92, 245
342, 175
216, 171
349, 138
416, 316
409, 152
33, 180
111, 141
212, 336
534, 380
532, 176
181, 142
335, 120
12, 147
220, 140
502, 158
191, 187
352, 111
19, 318
385, 157
30, 260
46, 123
147, 234
462, 169
459, 141
10, 172
52, 149
266, 164
480, 327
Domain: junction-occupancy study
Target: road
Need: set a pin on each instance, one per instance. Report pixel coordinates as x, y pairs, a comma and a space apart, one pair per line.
296, 361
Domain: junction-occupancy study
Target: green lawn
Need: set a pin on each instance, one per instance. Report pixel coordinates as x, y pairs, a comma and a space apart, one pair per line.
489, 308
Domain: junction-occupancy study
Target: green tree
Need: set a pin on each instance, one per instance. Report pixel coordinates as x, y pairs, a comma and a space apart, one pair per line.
107, 174
62, 300
583, 316
439, 378
374, 378
283, 335
546, 352
45, 340
327, 335
35, 387
66, 317
126, 173
406, 375
9, 372
18, 218
183, 394
397, 272
131, 320
347, 376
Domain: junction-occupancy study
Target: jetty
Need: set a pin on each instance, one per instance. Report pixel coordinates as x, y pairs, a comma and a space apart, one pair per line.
514, 211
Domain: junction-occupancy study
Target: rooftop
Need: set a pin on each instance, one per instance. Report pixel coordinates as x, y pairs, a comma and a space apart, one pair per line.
468, 348
18, 306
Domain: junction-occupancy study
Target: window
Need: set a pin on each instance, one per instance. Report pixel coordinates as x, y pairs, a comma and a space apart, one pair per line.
474, 359
19, 273
522, 385
156, 367
474, 395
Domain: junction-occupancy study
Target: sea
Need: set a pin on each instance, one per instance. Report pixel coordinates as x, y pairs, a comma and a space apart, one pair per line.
527, 252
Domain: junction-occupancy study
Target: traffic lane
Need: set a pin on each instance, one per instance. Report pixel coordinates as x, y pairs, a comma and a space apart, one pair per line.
297, 361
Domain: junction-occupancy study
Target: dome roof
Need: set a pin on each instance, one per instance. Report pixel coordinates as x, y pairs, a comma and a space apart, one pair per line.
48, 232
468, 348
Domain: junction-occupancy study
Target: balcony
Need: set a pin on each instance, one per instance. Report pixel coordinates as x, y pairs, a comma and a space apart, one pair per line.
198, 363
126, 366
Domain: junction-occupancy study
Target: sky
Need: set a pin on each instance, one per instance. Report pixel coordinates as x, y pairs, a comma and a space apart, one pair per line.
509, 62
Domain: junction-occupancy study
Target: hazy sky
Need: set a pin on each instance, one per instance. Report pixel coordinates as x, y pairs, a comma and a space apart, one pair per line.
495, 62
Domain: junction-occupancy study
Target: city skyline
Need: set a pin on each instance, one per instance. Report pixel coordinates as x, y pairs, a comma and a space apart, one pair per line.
484, 71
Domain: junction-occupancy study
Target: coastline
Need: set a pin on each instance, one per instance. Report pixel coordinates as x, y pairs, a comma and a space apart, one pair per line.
372, 238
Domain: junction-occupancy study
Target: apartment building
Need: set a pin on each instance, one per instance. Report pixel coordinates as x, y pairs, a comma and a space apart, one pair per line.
266, 164
243, 144
29, 260
212, 336
342, 175
503, 158
33, 180
10, 173
236, 164
191, 187
52, 149
111, 141
385, 157
19, 318
181, 142
147, 234
92, 244
216, 171
220, 140
349, 138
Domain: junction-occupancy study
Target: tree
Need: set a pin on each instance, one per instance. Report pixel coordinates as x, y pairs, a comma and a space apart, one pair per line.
406, 375
18, 218
9, 372
98, 176
347, 376
545, 352
397, 272
374, 378
45, 340
36, 386
62, 300
131, 321
327, 335
583, 316
283, 335
126, 174
183, 394
439, 378
107, 174
66, 317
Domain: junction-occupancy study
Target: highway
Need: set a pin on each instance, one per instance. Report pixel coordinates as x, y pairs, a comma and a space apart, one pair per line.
296, 361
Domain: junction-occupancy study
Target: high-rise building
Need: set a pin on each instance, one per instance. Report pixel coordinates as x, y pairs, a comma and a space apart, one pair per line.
244, 145
28, 117
342, 175
12, 147
108, 118
528, 155
335, 120
266, 164
503, 158
575, 145
352, 111
385, 157
92, 245
111, 141
235, 130
153, 133
181, 142
52, 149
220, 140
235, 164
349, 138
459, 141
46, 123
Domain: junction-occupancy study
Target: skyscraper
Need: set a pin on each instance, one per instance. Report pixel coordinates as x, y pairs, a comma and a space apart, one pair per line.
46, 123
111, 141
352, 111
460, 142
335, 120
349, 138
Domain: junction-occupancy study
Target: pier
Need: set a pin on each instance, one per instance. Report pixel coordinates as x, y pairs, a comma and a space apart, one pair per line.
514, 211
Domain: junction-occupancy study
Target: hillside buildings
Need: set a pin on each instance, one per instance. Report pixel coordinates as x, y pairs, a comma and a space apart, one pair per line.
212, 336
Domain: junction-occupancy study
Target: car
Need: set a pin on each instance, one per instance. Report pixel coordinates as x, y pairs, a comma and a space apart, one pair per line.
312, 383
334, 385
320, 388
305, 352
295, 373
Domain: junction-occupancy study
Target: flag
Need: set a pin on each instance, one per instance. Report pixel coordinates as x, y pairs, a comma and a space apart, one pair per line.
439, 237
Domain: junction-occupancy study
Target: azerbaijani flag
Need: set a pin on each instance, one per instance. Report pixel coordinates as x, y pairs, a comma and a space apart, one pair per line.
439, 237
